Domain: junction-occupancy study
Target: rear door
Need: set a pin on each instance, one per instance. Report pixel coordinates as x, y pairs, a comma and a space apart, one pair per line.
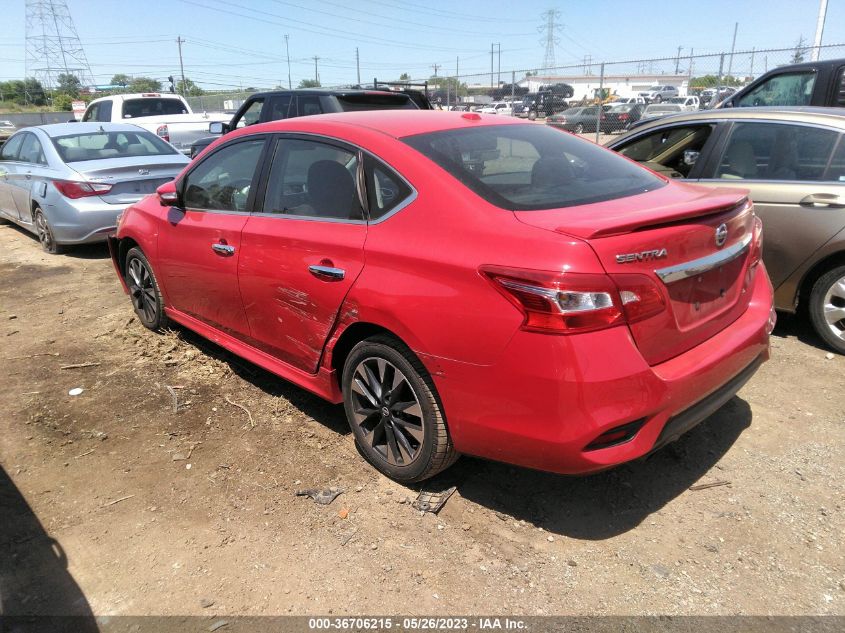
303, 248
796, 178
199, 245
26, 172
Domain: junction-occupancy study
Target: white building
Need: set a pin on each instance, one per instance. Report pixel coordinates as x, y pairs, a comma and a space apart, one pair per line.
620, 85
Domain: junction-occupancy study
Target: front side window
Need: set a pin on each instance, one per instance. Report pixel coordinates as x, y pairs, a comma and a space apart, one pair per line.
91, 113
836, 171
252, 114
775, 151
672, 150
104, 112
786, 89
313, 179
279, 107
309, 104
12, 147
532, 167
31, 151
73, 148
223, 180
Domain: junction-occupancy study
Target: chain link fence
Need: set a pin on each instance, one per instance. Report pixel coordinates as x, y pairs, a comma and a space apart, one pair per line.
687, 81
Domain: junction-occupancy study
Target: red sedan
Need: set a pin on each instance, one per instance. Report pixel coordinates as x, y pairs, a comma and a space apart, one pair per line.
462, 283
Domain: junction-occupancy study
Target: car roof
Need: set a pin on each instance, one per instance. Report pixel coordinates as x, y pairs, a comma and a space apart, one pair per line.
329, 92
63, 129
815, 64
395, 123
808, 114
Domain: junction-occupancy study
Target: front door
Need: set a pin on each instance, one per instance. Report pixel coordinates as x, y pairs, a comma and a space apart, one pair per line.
8, 171
199, 245
303, 248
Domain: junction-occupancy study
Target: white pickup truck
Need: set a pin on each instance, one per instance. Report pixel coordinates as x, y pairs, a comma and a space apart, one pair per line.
167, 115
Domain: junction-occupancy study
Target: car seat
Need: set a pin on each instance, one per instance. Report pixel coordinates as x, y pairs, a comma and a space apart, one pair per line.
332, 193
741, 162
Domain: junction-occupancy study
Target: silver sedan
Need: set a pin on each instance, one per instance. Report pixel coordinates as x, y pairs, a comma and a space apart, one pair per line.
69, 182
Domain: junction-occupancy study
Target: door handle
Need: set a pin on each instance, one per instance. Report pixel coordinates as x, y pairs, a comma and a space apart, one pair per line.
223, 249
327, 273
826, 199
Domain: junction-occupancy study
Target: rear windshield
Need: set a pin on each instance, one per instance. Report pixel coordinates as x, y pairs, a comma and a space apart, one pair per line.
75, 148
533, 167
151, 106
352, 103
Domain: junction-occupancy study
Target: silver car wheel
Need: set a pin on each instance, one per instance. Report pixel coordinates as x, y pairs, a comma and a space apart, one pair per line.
141, 290
834, 308
45, 235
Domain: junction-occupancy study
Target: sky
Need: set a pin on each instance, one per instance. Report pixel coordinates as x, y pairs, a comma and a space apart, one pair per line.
231, 43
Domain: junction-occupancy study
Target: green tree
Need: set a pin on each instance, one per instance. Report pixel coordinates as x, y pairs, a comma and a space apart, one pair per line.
309, 83
63, 102
188, 88
711, 81
404, 77
799, 52
145, 84
68, 84
121, 80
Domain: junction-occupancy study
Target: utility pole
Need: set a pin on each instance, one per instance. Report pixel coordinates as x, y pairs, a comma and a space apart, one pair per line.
287, 55
817, 42
733, 47
457, 66
358, 65
436, 67
491, 64
689, 70
751, 72
316, 74
179, 41
499, 66
678, 59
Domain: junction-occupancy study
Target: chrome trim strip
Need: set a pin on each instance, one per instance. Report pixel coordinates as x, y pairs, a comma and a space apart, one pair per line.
700, 266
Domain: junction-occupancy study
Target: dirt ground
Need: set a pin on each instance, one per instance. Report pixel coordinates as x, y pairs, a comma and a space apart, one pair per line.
113, 503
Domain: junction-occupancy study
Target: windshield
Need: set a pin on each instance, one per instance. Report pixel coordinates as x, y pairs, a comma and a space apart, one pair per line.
152, 106
529, 98
75, 148
533, 167
622, 107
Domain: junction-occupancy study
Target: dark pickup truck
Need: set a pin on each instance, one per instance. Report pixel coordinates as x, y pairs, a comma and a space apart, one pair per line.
820, 83
262, 107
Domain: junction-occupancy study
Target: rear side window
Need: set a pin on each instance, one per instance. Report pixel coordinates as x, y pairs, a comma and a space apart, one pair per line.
309, 104
786, 89
279, 108
532, 167
352, 103
152, 106
385, 189
104, 112
776, 151
313, 179
836, 171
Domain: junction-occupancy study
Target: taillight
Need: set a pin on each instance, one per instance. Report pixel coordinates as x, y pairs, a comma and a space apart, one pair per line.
74, 190
566, 303
756, 242
623, 116
163, 133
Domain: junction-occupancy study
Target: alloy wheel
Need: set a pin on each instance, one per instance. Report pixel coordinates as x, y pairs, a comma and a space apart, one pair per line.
45, 235
833, 307
141, 289
387, 411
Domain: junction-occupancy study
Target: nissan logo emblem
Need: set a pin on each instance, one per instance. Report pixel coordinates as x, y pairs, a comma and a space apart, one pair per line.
721, 234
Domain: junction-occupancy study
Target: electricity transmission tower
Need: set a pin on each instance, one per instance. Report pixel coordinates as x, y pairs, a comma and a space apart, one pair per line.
52, 44
549, 28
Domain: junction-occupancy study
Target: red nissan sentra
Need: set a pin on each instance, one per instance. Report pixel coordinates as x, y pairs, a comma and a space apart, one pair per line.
462, 283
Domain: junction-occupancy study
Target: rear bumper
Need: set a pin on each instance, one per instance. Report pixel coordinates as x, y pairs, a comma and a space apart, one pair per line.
549, 397
82, 221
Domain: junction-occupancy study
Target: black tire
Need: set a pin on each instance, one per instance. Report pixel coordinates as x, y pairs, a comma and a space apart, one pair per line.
658, 99
45, 233
829, 290
144, 290
579, 128
397, 420
532, 115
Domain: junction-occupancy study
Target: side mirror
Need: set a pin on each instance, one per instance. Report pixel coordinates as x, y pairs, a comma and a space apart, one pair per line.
167, 194
690, 157
217, 127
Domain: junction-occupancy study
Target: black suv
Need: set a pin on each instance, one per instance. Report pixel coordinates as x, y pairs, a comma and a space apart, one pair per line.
262, 107
543, 103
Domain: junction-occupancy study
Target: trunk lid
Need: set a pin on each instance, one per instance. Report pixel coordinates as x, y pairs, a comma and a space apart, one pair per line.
670, 236
131, 178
